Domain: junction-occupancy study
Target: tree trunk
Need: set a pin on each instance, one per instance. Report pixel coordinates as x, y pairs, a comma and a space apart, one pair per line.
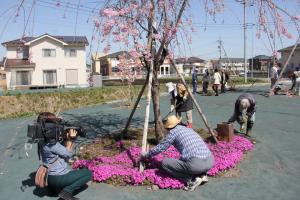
159, 128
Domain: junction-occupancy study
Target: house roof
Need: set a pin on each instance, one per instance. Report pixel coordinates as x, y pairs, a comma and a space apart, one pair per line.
96, 56
289, 48
66, 40
17, 63
116, 54
189, 60
261, 57
236, 60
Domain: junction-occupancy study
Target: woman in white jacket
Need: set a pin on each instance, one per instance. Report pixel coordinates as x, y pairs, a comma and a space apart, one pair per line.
216, 82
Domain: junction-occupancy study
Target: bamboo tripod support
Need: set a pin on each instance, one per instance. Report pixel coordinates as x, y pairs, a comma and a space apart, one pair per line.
147, 112
135, 106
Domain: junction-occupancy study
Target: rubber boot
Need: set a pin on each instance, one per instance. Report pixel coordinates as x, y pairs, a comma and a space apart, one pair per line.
190, 125
248, 133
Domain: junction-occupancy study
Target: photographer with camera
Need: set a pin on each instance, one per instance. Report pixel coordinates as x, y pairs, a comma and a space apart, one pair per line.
54, 155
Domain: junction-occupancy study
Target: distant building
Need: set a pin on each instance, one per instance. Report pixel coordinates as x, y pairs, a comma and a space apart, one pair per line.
109, 64
95, 63
46, 61
233, 64
260, 62
185, 65
294, 63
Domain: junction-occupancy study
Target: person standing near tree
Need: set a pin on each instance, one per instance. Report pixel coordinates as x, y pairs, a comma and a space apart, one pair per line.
194, 79
274, 74
205, 82
216, 82
224, 79
181, 101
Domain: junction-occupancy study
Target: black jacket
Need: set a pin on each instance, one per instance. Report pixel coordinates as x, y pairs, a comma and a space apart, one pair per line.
252, 107
183, 106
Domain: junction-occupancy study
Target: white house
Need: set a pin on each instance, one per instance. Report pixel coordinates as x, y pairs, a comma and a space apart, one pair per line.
46, 61
233, 64
185, 65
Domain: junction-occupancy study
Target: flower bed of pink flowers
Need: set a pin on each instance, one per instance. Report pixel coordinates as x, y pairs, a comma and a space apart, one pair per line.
125, 165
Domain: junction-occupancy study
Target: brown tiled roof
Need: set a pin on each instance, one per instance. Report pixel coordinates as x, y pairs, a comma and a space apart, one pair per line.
13, 63
71, 40
289, 48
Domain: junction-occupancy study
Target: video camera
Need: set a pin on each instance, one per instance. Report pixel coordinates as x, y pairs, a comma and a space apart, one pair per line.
39, 132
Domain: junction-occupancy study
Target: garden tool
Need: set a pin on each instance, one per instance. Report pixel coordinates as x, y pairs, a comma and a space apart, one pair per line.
168, 113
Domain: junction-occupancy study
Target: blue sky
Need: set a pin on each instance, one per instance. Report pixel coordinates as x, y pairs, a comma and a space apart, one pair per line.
61, 20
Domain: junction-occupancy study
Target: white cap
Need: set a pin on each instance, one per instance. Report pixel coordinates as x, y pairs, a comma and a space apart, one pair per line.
171, 86
244, 104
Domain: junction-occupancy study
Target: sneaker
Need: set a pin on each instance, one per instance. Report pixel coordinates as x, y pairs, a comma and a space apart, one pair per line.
67, 196
204, 179
192, 185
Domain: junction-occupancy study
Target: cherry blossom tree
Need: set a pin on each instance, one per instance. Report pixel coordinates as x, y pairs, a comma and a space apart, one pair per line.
147, 28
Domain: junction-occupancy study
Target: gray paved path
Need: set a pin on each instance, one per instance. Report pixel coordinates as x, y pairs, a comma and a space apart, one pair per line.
272, 170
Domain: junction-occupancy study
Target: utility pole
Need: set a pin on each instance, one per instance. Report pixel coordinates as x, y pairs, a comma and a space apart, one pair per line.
220, 51
245, 41
245, 3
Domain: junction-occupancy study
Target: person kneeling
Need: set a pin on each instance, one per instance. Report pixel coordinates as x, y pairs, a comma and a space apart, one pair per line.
54, 155
196, 159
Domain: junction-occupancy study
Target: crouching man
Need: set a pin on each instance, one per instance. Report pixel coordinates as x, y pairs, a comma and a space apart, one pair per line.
244, 113
196, 159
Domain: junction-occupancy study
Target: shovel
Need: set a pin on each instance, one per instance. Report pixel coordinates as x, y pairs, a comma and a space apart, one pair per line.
168, 113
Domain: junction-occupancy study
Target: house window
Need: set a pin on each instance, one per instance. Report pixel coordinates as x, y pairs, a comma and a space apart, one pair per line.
115, 69
49, 77
70, 52
22, 53
49, 52
2, 76
23, 78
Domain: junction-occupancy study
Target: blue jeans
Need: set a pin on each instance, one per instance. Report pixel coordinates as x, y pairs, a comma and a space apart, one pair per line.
194, 86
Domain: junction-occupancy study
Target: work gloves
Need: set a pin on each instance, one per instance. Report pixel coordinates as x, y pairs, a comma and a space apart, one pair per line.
172, 108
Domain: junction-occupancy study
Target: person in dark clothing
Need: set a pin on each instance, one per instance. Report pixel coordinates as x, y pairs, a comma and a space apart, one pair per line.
205, 82
224, 79
194, 79
244, 112
182, 102
54, 155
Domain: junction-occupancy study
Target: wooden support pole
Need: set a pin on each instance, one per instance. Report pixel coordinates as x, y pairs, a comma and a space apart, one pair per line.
135, 106
211, 131
147, 112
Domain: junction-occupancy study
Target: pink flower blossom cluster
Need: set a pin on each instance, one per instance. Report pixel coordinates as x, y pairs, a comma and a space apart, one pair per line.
228, 154
125, 165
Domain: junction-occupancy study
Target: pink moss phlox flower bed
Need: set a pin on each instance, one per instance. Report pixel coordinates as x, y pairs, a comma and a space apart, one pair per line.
125, 165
